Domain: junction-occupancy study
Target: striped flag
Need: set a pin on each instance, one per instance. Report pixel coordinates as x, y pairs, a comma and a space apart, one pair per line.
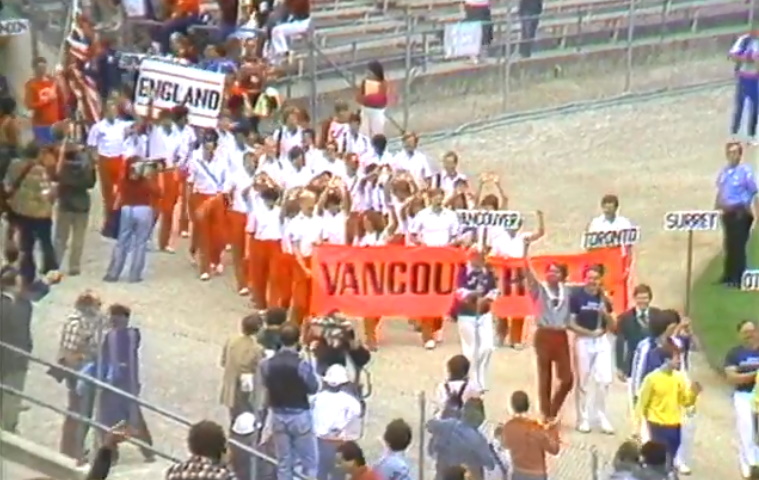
79, 51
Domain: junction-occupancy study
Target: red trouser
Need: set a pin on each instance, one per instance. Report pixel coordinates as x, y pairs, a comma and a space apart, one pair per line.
429, 326
169, 195
552, 348
264, 257
513, 328
301, 292
371, 325
210, 216
184, 202
284, 279
236, 222
110, 170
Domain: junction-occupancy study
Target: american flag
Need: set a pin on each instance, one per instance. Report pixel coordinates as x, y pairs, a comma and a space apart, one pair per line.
79, 51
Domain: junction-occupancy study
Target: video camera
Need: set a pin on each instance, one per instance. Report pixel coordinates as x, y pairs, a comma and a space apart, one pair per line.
331, 328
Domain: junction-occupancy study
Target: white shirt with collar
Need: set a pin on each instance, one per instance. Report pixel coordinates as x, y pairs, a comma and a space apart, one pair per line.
108, 138
264, 223
506, 243
313, 157
335, 166
273, 167
447, 182
334, 231
297, 178
209, 177
187, 137
357, 143
435, 229
335, 414
602, 224
241, 181
306, 232
287, 139
287, 234
164, 144
236, 155
136, 146
416, 163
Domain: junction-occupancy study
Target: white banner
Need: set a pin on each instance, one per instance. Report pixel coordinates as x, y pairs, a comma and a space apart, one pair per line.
490, 218
626, 237
170, 85
463, 39
692, 220
750, 281
13, 27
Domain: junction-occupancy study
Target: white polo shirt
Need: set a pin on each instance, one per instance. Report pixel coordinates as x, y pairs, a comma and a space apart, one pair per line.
108, 138
164, 144
209, 177
447, 182
273, 167
334, 227
416, 163
507, 244
297, 178
287, 230
264, 222
241, 181
359, 144
603, 224
306, 232
186, 145
435, 229
287, 140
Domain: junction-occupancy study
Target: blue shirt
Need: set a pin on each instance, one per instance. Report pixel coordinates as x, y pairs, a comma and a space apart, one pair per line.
745, 360
746, 47
454, 442
586, 309
392, 466
736, 185
305, 371
648, 357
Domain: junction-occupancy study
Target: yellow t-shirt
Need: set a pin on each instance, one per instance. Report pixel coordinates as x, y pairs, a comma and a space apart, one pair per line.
663, 396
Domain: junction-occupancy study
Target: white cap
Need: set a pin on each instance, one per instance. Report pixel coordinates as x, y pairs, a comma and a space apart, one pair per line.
244, 424
336, 375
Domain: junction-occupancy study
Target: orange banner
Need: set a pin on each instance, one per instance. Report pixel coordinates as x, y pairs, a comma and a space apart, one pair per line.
392, 280
514, 300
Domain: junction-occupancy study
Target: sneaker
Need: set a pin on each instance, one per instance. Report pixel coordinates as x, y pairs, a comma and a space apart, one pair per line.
205, 277
606, 426
184, 234
583, 427
219, 269
438, 336
683, 469
243, 292
168, 250
430, 344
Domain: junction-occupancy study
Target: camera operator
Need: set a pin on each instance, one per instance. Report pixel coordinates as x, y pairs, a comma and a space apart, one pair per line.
76, 176
338, 345
269, 337
136, 196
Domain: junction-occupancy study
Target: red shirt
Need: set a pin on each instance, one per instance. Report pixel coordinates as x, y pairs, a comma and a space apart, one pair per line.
43, 99
141, 191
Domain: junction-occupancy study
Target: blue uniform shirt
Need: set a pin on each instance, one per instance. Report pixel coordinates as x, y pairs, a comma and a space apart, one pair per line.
736, 185
392, 466
745, 360
585, 307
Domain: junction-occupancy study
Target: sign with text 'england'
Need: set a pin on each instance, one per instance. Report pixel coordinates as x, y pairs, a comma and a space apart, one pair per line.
692, 220
490, 218
626, 237
750, 281
169, 85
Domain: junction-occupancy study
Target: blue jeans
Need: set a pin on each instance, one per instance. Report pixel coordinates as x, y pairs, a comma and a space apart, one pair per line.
747, 90
294, 439
43, 134
134, 232
328, 469
668, 435
31, 231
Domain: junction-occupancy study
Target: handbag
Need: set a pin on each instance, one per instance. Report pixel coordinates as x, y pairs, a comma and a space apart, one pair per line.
112, 224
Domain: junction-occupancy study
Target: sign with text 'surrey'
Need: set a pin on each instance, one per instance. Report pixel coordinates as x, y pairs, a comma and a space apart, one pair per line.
692, 220
750, 281
13, 27
169, 85
626, 237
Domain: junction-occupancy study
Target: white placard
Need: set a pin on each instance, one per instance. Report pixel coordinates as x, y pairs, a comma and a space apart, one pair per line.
170, 85
13, 27
135, 8
750, 281
462, 39
692, 220
490, 218
626, 237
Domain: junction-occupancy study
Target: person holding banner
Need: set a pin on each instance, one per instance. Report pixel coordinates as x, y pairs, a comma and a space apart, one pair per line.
211, 181
552, 315
476, 289
435, 226
306, 231
400, 190
590, 320
609, 220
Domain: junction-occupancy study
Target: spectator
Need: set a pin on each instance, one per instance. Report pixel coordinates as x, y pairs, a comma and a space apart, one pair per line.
10, 134
373, 98
31, 202
297, 21
183, 14
289, 380
351, 459
336, 416
134, 201
239, 359
244, 429
208, 445
80, 339
76, 176
451, 395
654, 458
528, 441
529, 15
15, 329
626, 462
44, 100
101, 465
269, 338
393, 465
458, 441
479, 11
120, 368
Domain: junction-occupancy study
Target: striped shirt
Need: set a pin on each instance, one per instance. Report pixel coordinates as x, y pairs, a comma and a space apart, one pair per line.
551, 311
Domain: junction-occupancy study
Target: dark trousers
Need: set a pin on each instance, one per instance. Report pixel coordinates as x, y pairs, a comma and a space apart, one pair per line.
736, 225
552, 350
746, 90
667, 435
529, 28
33, 230
477, 13
74, 430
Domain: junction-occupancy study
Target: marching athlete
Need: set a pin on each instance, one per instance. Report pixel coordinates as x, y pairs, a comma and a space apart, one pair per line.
105, 141
164, 142
305, 233
265, 242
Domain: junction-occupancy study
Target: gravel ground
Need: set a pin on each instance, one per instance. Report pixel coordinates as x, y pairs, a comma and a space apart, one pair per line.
656, 156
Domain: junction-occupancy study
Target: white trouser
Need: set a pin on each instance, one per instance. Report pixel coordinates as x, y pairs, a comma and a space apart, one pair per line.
687, 437
748, 452
281, 32
594, 370
477, 344
372, 121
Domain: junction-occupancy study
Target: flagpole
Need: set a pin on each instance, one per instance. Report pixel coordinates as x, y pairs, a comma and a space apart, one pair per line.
67, 29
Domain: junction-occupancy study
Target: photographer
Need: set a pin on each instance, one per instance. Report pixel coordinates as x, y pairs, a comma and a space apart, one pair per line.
76, 176
136, 196
269, 336
338, 345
